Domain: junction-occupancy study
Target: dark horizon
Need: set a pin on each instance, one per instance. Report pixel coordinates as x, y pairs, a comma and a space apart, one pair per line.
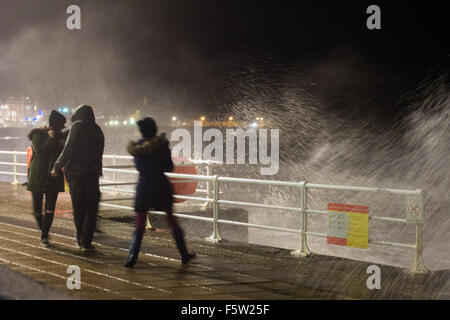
193, 57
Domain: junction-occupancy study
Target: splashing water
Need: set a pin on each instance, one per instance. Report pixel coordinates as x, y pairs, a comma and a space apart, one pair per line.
323, 146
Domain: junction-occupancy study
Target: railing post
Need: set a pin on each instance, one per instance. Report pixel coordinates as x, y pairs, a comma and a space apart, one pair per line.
304, 250
215, 236
15, 181
114, 160
418, 266
208, 185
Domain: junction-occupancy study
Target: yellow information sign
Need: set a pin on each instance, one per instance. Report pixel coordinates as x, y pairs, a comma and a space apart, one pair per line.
348, 225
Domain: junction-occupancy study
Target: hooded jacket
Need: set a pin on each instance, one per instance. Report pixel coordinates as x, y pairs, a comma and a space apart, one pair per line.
152, 157
45, 152
83, 151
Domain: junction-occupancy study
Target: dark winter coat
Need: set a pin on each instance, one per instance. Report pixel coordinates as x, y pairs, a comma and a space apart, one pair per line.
45, 152
152, 157
83, 152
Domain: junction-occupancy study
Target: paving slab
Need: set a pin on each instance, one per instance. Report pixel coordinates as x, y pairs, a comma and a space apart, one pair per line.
226, 270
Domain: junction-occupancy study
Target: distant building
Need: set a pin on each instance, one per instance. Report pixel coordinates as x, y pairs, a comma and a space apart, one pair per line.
20, 112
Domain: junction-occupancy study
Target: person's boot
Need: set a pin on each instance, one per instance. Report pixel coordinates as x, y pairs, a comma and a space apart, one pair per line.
181, 245
78, 241
87, 233
38, 218
46, 224
134, 249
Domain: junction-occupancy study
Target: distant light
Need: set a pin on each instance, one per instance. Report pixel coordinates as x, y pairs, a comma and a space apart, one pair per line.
184, 123
116, 123
132, 121
257, 119
65, 110
125, 122
254, 124
174, 118
111, 123
203, 118
261, 119
230, 119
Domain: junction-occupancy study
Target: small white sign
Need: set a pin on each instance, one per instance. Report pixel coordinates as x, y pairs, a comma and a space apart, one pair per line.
414, 208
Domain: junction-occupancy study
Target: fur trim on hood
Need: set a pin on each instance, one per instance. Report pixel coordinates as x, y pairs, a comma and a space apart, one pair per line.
38, 130
149, 146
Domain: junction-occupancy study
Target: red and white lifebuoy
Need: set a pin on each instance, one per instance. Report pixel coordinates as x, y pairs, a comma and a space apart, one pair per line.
183, 188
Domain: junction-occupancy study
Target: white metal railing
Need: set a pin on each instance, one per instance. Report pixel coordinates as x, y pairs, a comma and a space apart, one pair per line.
213, 198
15, 164
302, 209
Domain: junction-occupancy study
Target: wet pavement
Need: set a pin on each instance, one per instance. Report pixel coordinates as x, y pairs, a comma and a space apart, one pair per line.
227, 270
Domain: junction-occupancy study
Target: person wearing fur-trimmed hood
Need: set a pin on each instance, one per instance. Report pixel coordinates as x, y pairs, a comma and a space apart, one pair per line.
47, 144
152, 157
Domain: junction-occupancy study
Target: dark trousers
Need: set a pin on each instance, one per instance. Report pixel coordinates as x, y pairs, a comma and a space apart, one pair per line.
50, 201
85, 194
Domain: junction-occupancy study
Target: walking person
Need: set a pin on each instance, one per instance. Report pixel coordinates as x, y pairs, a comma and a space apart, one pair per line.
152, 157
47, 144
82, 162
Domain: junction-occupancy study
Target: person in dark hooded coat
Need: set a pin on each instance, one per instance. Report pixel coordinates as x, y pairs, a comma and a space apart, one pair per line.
82, 162
152, 157
47, 144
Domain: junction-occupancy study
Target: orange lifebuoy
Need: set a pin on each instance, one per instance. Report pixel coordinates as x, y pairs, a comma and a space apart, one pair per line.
29, 156
183, 188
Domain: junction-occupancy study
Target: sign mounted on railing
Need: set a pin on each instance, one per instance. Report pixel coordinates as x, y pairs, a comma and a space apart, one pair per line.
414, 208
348, 225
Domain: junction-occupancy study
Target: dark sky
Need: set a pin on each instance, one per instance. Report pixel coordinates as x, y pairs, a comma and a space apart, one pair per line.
186, 56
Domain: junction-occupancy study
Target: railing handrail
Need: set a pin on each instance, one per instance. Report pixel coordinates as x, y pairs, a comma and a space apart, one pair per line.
302, 186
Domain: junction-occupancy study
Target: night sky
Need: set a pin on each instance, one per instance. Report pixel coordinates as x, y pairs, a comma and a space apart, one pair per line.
186, 56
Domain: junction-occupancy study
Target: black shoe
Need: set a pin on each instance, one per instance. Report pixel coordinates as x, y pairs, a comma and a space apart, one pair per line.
129, 264
88, 248
47, 222
135, 247
78, 241
188, 257
181, 245
45, 243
